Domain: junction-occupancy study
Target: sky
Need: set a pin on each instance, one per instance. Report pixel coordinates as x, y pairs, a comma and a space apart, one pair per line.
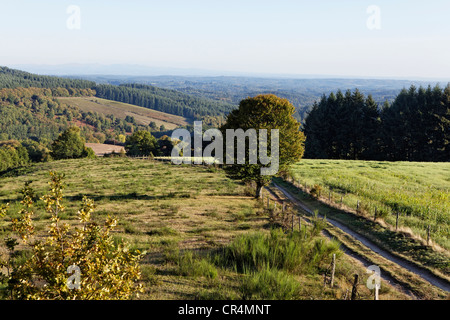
398, 38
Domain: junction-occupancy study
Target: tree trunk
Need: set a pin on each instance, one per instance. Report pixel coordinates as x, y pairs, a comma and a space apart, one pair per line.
259, 187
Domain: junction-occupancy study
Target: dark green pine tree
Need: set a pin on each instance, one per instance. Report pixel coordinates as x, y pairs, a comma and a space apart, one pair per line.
437, 124
314, 128
371, 125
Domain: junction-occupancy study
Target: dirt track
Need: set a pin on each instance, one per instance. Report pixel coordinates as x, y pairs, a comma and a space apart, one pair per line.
422, 272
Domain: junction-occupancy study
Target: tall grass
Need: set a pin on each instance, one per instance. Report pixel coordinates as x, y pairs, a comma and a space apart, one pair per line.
270, 284
271, 262
290, 252
190, 265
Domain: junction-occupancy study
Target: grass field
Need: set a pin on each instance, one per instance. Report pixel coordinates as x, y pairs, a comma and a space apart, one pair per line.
205, 237
121, 110
420, 192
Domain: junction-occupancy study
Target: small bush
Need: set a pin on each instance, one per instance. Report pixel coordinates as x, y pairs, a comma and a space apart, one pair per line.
109, 268
316, 191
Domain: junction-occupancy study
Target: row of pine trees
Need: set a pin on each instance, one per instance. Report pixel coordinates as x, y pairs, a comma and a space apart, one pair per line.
414, 127
164, 100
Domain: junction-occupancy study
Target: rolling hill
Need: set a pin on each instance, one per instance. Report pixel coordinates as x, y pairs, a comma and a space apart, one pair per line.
151, 97
143, 116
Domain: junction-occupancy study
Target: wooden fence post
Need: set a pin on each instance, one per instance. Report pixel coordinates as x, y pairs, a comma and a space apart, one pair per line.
355, 288
428, 235
357, 205
396, 222
375, 215
292, 226
333, 269
299, 224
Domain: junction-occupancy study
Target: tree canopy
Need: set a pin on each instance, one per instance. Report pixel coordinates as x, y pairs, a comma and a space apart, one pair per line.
141, 143
266, 112
70, 145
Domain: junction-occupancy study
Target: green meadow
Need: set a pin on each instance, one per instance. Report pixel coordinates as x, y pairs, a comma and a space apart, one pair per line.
419, 192
203, 234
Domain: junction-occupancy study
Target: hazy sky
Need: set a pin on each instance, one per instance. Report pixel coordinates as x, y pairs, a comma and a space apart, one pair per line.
283, 37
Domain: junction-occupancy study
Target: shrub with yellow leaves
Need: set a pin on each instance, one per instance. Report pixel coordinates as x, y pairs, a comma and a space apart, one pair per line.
104, 270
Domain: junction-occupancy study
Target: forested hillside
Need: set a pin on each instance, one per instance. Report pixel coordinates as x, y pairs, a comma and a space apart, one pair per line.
164, 100
36, 113
415, 127
35, 110
10, 78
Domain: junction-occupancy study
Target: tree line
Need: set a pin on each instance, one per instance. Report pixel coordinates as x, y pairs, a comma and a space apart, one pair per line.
11, 78
164, 100
71, 145
414, 127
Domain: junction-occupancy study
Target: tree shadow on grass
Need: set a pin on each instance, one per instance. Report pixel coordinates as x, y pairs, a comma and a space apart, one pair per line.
128, 196
114, 197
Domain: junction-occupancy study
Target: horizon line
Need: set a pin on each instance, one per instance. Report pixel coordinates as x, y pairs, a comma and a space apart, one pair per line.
198, 72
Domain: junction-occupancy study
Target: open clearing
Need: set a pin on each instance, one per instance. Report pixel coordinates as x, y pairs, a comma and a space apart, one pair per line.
168, 211
101, 149
121, 110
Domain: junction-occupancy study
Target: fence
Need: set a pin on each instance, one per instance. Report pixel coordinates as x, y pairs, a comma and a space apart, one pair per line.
360, 209
290, 221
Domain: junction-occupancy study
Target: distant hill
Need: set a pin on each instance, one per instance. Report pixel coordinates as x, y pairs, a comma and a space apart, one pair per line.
302, 93
142, 116
163, 100
11, 78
